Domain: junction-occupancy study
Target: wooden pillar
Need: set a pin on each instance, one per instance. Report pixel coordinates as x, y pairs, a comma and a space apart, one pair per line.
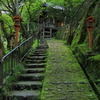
50, 32
43, 32
53, 20
90, 37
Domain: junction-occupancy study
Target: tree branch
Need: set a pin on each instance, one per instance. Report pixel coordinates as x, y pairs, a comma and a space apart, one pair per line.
28, 11
6, 7
13, 4
9, 4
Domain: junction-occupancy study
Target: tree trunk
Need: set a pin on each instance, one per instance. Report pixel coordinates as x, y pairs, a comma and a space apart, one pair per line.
1, 43
9, 37
1, 48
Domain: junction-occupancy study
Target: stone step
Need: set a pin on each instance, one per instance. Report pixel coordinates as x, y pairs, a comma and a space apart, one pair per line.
32, 77
35, 70
35, 65
28, 85
37, 57
35, 61
40, 49
37, 54
24, 95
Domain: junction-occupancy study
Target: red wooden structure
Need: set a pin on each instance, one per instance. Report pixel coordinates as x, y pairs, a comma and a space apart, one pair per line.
17, 21
90, 25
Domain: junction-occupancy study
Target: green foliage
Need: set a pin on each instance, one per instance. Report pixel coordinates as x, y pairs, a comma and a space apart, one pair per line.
56, 1
32, 10
6, 51
96, 57
69, 8
57, 13
8, 22
8, 27
62, 33
35, 44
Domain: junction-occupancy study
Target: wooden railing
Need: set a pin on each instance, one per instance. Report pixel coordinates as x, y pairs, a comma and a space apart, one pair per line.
9, 61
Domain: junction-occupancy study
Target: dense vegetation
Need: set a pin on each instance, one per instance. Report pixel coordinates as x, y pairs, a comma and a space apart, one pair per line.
88, 57
30, 11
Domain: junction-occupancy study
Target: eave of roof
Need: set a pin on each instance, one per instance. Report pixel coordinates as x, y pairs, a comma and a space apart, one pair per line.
55, 7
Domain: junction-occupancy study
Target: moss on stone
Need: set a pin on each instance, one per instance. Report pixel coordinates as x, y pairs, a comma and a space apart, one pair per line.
64, 76
80, 34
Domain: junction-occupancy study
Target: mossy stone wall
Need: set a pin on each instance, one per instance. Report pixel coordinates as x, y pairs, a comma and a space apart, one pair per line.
80, 42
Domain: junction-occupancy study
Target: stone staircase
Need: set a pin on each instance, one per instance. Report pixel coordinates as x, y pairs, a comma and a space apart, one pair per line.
29, 85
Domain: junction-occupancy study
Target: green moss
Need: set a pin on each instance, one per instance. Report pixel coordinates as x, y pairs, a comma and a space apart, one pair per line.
78, 32
62, 67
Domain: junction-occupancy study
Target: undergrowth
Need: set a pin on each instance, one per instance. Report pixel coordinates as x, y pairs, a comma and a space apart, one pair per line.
35, 44
13, 78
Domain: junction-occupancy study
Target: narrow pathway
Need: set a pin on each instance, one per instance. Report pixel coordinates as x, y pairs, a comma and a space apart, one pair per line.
64, 78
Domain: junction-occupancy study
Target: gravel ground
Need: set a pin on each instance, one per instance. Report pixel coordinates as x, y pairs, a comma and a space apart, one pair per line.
64, 78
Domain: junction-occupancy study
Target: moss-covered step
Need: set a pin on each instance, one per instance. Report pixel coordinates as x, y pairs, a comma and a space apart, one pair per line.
35, 61
32, 77
35, 65
39, 54
37, 57
65, 79
24, 95
35, 70
40, 51
29, 85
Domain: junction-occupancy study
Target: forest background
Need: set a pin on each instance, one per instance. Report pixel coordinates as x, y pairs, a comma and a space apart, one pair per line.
30, 11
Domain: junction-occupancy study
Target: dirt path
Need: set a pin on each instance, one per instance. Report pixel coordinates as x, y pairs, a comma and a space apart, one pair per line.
64, 79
